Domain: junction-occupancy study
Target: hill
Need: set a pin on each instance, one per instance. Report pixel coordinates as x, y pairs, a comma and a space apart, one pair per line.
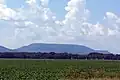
41, 47
4, 49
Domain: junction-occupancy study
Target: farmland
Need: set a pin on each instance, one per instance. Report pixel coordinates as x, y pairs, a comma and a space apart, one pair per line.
16, 69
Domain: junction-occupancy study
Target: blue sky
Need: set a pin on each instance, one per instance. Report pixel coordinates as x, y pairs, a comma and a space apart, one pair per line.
98, 8
95, 24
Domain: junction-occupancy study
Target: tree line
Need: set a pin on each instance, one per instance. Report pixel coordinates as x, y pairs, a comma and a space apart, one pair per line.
53, 55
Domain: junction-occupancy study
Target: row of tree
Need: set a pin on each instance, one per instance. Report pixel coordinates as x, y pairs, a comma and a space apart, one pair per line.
53, 55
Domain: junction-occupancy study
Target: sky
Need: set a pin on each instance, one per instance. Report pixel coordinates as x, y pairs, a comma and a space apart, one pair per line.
93, 23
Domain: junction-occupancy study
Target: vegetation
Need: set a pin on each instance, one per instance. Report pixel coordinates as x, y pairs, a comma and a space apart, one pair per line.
53, 55
16, 69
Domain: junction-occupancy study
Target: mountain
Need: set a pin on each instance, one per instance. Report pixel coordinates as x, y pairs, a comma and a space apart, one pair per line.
3, 49
41, 47
103, 51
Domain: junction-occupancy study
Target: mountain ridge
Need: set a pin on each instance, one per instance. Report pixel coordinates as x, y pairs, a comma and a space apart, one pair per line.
46, 47
4, 49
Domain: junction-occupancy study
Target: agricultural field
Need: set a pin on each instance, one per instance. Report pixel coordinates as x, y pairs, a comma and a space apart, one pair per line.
59, 70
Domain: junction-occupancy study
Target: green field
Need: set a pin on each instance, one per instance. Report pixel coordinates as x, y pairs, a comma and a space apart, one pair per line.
59, 70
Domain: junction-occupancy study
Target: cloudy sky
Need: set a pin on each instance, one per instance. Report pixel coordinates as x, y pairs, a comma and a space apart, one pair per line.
94, 23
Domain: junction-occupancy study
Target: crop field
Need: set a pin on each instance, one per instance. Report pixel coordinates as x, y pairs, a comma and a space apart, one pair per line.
59, 70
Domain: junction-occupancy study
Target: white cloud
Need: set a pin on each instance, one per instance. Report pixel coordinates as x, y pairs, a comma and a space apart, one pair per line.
35, 22
76, 11
2, 1
31, 2
110, 15
44, 3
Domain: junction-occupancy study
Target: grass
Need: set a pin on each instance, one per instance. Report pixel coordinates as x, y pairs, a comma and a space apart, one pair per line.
59, 70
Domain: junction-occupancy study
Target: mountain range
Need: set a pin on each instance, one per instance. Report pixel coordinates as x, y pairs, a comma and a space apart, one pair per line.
58, 48
4, 49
